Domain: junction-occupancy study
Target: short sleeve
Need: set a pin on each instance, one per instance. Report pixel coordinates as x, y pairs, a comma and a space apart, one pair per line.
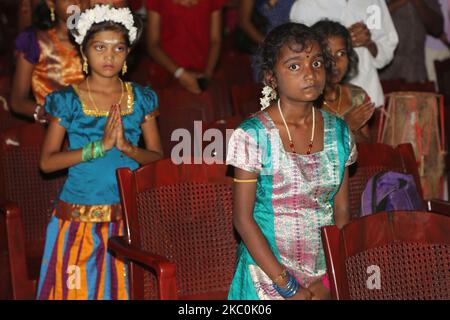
243, 152
27, 43
149, 104
353, 152
154, 5
57, 107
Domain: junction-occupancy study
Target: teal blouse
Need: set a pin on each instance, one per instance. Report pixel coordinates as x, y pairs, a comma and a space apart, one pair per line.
94, 182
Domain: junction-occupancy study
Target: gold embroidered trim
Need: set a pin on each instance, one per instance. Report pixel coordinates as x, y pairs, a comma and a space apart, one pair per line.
151, 115
91, 112
88, 213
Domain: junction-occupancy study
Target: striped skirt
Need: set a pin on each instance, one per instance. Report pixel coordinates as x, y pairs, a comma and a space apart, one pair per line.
77, 265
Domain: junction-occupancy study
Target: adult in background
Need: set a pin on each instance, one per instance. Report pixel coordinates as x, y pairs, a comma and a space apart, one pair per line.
271, 12
375, 46
184, 38
413, 19
256, 19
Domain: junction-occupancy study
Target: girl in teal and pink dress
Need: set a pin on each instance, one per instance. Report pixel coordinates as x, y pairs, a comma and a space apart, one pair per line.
291, 175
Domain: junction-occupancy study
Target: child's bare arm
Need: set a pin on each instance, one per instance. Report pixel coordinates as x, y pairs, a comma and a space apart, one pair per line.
341, 203
20, 101
153, 149
52, 158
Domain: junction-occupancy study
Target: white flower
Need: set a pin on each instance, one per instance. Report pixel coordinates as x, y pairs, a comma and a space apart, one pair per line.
269, 94
101, 13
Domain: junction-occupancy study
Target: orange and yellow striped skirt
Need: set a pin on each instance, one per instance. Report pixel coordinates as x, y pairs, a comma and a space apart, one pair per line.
76, 264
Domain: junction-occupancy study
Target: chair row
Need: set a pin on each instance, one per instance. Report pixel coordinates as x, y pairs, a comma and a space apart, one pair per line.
178, 219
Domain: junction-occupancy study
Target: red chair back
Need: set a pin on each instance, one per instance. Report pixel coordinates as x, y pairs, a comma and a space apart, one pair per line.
33, 193
7, 119
390, 256
395, 85
443, 79
235, 68
178, 110
245, 99
374, 158
183, 213
226, 128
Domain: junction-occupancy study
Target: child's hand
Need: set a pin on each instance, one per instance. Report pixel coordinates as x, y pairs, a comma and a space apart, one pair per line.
109, 134
302, 294
359, 116
121, 143
319, 292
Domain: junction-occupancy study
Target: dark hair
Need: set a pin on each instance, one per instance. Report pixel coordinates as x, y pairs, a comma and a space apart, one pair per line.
289, 33
41, 17
326, 29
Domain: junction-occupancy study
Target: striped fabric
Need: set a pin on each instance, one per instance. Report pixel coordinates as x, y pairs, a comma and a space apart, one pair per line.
76, 264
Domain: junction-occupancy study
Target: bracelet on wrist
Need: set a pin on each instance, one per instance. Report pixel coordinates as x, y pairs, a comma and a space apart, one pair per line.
36, 112
178, 72
92, 150
290, 289
283, 276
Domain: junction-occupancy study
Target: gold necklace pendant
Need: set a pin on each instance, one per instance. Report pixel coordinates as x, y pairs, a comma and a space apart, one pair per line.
92, 99
313, 129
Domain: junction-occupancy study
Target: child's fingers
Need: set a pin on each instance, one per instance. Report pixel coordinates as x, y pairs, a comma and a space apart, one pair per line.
112, 121
111, 115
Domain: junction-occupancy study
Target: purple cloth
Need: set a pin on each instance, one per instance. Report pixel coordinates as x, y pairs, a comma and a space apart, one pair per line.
27, 43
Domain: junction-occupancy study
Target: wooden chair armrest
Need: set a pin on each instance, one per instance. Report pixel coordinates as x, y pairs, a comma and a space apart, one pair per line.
164, 269
22, 287
438, 206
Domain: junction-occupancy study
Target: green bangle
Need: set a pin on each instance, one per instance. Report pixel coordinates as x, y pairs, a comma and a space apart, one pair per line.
99, 151
92, 150
86, 154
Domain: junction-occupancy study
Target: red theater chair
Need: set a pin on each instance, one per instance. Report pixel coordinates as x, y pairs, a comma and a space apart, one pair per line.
25, 207
389, 256
179, 235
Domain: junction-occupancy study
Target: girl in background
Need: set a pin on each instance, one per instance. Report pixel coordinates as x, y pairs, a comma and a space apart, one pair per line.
342, 98
47, 59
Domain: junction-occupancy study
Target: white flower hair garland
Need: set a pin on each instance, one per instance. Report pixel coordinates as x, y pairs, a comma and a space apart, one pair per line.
101, 13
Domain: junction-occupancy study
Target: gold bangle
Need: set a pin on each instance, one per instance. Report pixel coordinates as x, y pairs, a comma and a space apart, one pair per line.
250, 180
282, 276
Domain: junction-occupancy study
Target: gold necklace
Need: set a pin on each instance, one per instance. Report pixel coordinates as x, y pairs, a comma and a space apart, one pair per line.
291, 142
92, 99
338, 109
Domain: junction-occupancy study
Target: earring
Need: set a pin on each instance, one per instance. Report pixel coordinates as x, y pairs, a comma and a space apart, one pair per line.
85, 66
52, 14
124, 68
269, 94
